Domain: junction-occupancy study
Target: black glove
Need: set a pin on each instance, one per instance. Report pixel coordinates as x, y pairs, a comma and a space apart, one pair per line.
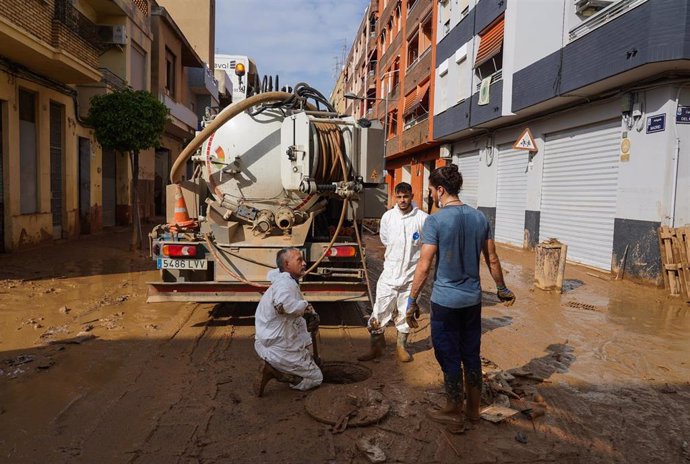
313, 321
505, 295
412, 313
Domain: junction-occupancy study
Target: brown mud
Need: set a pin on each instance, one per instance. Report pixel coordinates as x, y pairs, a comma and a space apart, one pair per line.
91, 373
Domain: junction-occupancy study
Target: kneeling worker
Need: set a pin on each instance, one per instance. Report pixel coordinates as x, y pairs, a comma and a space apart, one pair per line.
283, 321
400, 232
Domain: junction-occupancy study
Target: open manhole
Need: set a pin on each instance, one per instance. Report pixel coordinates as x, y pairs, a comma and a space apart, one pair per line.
345, 406
341, 372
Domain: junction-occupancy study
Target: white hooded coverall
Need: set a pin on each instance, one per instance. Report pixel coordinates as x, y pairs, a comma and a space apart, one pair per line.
282, 338
401, 234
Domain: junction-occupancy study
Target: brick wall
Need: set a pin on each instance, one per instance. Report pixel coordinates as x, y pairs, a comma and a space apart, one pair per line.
69, 41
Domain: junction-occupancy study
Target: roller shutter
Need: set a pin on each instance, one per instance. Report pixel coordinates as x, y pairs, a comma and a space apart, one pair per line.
579, 191
511, 195
469, 167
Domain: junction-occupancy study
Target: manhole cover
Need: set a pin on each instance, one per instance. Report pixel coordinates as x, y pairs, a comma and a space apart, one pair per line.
341, 372
355, 405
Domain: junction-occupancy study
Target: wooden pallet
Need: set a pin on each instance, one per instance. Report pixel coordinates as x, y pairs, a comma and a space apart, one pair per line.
674, 245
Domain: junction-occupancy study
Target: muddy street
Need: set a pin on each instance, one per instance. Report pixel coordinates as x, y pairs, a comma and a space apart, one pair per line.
91, 373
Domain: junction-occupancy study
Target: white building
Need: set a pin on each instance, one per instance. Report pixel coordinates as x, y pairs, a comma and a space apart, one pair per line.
604, 87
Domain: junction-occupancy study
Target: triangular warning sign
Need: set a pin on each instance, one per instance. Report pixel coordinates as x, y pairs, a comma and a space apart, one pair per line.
525, 141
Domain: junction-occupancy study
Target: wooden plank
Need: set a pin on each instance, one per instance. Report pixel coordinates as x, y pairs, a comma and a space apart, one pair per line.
664, 260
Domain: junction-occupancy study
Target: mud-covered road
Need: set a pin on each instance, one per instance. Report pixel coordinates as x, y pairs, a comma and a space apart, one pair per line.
91, 373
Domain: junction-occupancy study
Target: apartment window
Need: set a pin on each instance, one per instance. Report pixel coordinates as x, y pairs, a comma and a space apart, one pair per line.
170, 65
395, 73
412, 50
383, 41
464, 8
392, 123
416, 106
390, 30
446, 27
138, 67
425, 40
410, 5
28, 154
398, 13
490, 54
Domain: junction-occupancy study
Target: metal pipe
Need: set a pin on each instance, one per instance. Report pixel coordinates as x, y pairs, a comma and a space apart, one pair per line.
674, 188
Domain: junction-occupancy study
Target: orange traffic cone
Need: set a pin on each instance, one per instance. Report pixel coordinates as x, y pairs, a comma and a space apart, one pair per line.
181, 217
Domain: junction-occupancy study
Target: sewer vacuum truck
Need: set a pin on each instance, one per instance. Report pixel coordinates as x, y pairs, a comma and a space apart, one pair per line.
274, 170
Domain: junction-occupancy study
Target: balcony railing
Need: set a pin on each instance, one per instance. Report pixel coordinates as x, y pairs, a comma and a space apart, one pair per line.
111, 79
75, 21
495, 77
604, 16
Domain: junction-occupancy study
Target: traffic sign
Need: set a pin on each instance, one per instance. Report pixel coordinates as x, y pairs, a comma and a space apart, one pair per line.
525, 141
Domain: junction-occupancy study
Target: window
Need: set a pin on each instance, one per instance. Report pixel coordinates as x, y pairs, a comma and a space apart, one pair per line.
138, 67
390, 30
416, 105
412, 50
392, 123
489, 58
28, 155
410, 5
425, 39
446, 27
398, 13
170, 66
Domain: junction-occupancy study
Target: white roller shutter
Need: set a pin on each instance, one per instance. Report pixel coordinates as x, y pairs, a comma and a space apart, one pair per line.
469, 167
579, 190
511, 195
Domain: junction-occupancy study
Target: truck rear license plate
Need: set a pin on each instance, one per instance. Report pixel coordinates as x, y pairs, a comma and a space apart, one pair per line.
186, 264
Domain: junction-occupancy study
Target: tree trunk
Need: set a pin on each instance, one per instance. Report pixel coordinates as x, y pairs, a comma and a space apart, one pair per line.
134, 199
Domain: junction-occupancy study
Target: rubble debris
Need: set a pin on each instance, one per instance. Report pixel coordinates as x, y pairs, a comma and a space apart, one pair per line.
497, 414
52, 331
353, 405
80, 338
64, 310
370, 450
521, 437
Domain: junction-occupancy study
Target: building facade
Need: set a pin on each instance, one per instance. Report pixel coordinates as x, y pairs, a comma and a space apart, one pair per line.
388, 75
603, 88
55, 55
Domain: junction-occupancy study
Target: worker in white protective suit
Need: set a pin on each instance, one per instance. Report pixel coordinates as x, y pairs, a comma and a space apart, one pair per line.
400, 232
283, 323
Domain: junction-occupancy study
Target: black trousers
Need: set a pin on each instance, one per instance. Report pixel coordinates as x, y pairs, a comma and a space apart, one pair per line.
456, 335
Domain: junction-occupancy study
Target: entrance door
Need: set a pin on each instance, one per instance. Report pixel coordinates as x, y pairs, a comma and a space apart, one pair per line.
579, 191
162, 175
56, 173
84, 185
109, 187
511, 195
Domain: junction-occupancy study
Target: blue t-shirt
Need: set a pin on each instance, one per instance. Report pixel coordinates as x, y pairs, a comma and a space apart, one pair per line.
459, 233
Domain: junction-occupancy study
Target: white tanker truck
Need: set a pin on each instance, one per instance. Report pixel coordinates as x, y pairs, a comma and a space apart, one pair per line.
275, 170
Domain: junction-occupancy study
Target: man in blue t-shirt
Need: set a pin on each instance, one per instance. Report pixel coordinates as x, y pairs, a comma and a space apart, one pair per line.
456, 235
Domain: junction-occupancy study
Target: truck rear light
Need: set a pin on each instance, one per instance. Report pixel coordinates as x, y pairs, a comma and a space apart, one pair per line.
342, 252
180, 251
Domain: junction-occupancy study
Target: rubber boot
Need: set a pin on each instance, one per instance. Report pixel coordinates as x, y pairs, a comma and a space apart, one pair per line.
266, 374
401, 348
473, 388
451, 413
378, 343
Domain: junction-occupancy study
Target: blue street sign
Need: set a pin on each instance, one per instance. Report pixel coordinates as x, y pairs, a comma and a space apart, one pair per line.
656, 123
683, 115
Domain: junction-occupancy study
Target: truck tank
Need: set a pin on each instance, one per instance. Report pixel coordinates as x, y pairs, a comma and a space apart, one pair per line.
269, 175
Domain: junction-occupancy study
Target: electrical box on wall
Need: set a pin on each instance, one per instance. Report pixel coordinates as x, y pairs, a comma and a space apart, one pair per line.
446, 152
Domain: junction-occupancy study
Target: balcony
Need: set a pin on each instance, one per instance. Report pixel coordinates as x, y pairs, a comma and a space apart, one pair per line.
202, 82
181, 115
54, 41
602, 17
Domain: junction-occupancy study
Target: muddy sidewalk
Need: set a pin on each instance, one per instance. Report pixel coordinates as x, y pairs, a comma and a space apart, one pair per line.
90, 373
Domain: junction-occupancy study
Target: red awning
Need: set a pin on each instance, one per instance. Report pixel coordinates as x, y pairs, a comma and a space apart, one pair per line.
415, 98
490, 43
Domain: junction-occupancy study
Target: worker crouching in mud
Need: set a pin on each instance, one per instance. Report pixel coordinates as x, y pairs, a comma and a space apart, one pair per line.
283, 323
400, 232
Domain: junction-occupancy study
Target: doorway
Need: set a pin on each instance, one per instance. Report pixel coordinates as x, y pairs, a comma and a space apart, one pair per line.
162, 175
2, 176
109, 188
84, 185
56, 167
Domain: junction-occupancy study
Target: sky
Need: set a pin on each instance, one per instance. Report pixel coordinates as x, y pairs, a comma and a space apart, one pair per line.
296, 39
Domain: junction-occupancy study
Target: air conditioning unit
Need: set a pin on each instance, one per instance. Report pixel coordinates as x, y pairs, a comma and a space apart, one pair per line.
446, 151
113, 34
589, 7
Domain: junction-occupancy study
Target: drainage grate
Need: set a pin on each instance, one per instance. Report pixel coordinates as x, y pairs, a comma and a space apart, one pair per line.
578, 305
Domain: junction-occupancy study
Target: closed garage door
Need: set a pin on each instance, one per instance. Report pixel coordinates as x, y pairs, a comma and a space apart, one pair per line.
511, 195
469, 167
579, 184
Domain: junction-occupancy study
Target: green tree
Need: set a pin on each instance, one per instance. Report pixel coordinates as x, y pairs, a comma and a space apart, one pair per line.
129, 121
